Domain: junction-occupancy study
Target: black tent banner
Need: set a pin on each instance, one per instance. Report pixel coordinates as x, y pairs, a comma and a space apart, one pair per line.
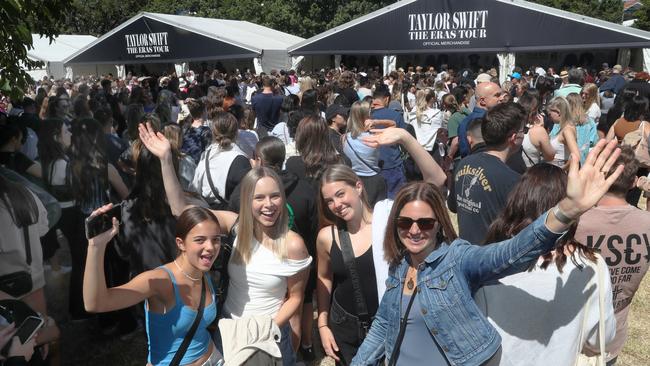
147, 40
427, 26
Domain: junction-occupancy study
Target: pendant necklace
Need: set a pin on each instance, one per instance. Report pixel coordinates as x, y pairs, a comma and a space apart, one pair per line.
410, 283
184, 273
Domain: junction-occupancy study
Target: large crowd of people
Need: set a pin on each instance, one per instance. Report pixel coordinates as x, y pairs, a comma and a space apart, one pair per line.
256, 211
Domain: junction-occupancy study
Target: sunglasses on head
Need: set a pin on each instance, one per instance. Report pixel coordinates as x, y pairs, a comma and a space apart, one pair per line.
425, 223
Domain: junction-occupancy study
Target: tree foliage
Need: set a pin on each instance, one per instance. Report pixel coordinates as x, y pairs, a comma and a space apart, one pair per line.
642, 18
19, 19
609, 10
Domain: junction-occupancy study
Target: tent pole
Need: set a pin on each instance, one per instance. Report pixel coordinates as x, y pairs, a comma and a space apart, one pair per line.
624, 56
506, 65
337, 62
390, 64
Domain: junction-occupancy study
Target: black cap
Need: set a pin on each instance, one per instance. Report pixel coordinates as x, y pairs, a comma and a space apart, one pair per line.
335, 109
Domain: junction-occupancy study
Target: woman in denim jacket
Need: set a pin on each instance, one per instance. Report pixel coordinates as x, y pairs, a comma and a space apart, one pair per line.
445, 276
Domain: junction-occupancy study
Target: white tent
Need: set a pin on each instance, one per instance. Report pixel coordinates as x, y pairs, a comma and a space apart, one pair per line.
151, 38
53, 54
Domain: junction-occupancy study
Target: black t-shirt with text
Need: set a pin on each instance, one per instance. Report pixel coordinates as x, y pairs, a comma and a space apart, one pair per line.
482, 183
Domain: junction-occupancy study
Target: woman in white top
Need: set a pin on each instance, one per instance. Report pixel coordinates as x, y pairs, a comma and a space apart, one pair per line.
426, 119
536, 146
546, 316
226, 163
268, 266
563, 136
591, 101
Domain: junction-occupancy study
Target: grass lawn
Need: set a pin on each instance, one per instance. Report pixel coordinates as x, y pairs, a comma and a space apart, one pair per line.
81, 345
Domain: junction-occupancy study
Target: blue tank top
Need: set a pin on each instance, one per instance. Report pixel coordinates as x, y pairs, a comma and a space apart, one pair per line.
165, 332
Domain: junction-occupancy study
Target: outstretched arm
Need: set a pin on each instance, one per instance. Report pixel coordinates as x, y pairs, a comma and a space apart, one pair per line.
585, 187
158, 145
431, 171
97, 297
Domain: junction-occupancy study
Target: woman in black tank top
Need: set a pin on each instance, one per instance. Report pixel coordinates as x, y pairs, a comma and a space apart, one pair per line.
344, 213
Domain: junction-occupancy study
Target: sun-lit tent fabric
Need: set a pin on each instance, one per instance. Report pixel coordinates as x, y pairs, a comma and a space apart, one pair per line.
163, 38
447, 26
53, 54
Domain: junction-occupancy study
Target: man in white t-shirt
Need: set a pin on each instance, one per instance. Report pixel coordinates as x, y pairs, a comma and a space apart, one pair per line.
622, 234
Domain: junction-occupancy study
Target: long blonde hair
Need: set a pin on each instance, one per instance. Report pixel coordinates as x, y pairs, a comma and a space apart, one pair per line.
562, 106
359, 113
576, 110
422, 100
592, 97
247, 224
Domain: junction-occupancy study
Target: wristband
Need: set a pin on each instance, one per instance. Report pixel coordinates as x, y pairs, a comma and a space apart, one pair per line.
561, 217
322, 326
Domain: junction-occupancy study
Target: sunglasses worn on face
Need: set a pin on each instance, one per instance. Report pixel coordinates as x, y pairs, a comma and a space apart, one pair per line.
425, 223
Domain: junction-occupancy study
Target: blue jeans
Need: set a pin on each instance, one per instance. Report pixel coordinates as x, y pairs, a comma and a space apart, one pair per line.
395, 179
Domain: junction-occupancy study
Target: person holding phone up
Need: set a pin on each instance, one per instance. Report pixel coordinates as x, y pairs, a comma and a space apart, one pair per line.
19, 354
179, 300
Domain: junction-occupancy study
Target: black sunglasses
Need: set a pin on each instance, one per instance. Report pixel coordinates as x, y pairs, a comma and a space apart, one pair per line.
425, 223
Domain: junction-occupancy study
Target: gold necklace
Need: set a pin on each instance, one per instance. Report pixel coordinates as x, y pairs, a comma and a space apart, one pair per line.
184, 273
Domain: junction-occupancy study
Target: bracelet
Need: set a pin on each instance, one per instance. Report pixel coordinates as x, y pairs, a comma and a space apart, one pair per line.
322, 326
561, 216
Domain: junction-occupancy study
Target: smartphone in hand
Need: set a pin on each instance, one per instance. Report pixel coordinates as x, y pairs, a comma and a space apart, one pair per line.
96, 225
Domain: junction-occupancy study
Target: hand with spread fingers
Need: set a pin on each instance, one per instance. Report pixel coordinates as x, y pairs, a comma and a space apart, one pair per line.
155, 142
586, 185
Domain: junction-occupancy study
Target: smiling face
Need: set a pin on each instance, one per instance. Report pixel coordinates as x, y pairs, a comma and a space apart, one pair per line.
418, 239
267, 202
342, 199
201, 245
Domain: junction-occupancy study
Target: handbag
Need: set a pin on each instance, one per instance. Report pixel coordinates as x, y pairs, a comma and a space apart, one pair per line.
178, 356
19, 283
364, 319
402, 329
597, 360
219, 271
638, 140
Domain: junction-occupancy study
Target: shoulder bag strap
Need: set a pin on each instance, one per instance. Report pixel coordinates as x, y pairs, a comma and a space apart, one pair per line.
176, 361
359, 157
209, 175
350, 265
28, 247
402, 330
528, 157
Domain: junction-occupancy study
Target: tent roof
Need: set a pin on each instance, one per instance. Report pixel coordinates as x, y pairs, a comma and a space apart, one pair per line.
503, 26
236, 31
63, 46
186, 38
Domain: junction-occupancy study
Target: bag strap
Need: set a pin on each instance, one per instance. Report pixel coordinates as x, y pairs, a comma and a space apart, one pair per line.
359, 157
28, 247
350, 265
402, 330
190, 333
215, 192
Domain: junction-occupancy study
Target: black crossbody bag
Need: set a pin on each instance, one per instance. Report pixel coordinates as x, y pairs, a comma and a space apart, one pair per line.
178, 356
19, 283
365, 320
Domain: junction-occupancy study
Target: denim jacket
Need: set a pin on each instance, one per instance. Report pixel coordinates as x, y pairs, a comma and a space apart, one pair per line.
446, 281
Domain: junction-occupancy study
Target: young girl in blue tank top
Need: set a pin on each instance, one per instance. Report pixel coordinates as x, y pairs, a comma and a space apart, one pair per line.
171, 292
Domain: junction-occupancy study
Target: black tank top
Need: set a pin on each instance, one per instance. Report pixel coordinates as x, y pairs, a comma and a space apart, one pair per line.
344, 292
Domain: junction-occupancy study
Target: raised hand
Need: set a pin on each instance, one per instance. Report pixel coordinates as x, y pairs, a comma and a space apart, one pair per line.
587, 184
106, 236
384, 137
155, 142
